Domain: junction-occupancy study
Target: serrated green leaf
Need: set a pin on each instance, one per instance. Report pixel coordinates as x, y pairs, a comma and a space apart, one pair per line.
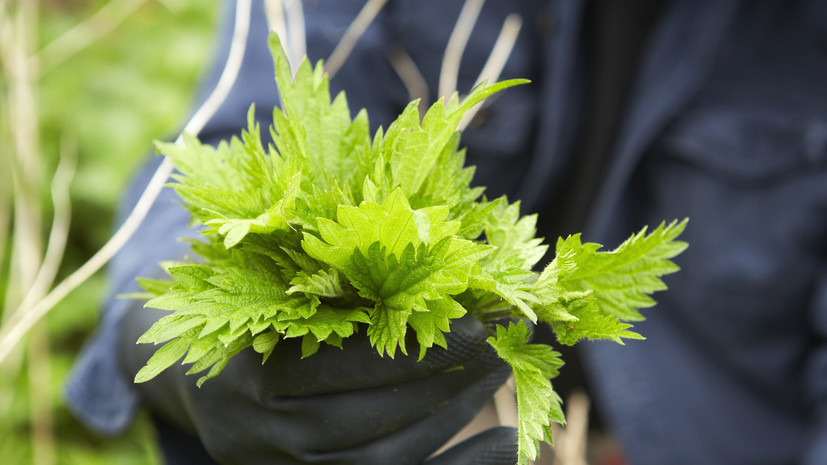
175, 299
324, 321
590, 323
431, 324
623, 278
413, 149
192, 277
155, 287
169, 327
538, 405
310, 345
322, 283
162, 359
215, 369
387, 329
197, 350
513, 235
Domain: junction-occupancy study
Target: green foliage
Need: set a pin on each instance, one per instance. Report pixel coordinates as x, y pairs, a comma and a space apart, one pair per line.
533, 365
590, 294
329, 230
131, 84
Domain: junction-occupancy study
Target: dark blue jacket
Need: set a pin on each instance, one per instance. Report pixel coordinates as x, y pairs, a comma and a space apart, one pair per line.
726, 124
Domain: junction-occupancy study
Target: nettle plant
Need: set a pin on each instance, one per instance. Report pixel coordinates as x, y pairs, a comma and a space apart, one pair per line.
329, 232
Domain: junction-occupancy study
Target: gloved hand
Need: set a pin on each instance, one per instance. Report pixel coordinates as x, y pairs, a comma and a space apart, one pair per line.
338, 406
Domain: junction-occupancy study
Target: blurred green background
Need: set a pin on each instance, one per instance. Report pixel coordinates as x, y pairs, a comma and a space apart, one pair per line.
101, 80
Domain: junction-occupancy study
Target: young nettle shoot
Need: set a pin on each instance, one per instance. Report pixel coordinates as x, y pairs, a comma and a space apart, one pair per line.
330, 231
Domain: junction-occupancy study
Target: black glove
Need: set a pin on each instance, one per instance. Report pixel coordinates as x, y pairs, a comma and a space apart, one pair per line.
338, 406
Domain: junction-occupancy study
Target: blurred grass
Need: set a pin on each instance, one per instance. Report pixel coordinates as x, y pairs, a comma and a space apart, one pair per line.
111, 100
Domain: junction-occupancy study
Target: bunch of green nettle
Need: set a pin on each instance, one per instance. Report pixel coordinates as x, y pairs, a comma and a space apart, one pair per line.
330, 232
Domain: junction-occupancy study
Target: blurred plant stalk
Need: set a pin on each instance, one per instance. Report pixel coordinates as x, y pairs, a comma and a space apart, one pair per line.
27, 275
25, 272
21, 73
86, 33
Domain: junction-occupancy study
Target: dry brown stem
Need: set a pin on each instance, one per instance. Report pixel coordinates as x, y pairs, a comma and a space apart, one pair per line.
496, 61
295, 31
571, 442
449, 71
12, 331
356, 29
411, 77
60, 227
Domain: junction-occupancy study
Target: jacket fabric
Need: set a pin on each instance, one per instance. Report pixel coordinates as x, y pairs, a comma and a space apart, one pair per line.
725, 122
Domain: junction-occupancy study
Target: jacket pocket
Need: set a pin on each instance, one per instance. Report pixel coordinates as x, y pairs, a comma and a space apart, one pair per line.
748, 145
753, 181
